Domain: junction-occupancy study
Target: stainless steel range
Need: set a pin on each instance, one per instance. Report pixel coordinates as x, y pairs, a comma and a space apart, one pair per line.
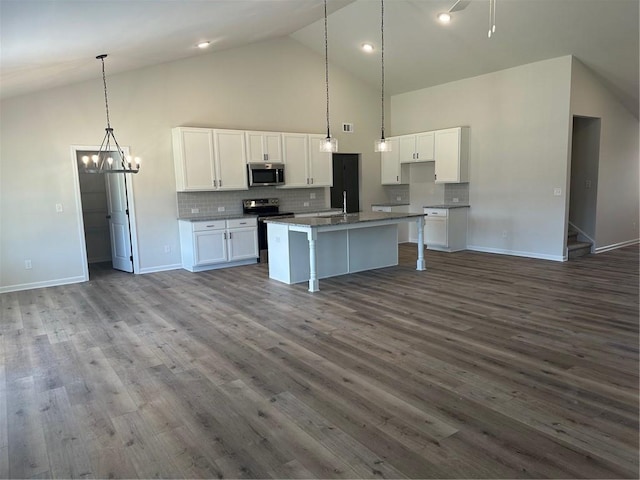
263, 208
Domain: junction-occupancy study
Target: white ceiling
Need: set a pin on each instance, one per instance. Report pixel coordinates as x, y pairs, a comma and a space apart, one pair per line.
48, 43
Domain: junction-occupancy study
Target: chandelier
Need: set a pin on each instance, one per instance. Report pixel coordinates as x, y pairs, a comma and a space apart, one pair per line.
110, 157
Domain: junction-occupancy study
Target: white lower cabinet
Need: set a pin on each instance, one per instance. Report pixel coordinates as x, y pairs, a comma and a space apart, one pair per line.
445, 229
403, 228
218, 243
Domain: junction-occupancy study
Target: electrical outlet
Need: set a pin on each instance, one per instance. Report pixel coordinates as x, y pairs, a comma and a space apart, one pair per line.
305, 204
455, 200
398, 198
504, 234
587, 184
59, 207
221, 209
167, 249
27, 264
195, 210
557, 192
312, 195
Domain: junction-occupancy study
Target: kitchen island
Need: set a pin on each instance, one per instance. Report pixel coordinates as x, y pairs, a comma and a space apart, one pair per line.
311, 248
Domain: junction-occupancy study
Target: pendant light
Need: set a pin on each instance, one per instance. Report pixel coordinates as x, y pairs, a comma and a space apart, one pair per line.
104, 161
329, 144
382, 145
492, 18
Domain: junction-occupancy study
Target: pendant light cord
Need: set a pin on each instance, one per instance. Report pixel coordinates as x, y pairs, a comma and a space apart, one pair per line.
104, 81
326, 64
382, 62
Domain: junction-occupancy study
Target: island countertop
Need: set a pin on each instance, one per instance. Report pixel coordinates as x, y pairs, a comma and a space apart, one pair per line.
341, 219
310, 248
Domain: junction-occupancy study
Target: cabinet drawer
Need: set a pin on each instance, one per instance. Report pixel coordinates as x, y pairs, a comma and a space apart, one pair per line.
241, 222
212, 225
436, 212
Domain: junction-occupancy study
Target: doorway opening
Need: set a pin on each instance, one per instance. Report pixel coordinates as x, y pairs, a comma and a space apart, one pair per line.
346, 181
583, 188
106, 203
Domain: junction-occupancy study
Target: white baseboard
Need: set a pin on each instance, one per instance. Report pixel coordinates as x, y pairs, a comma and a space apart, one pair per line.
48, 283
606, 248
515, 253
160, 268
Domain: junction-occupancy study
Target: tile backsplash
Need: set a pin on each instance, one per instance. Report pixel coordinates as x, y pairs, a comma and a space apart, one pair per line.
456, 190
291, 200
397, 193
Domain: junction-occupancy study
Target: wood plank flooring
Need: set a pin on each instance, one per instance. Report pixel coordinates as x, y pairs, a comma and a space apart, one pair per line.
483, 366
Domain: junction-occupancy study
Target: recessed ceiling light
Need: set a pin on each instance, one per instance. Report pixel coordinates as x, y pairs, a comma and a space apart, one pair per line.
204, 44
444, 17
367, 47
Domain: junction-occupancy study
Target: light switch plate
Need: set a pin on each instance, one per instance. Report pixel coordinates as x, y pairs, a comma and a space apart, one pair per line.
557, 191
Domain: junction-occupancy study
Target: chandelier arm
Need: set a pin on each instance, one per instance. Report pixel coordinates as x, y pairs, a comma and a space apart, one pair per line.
119, 150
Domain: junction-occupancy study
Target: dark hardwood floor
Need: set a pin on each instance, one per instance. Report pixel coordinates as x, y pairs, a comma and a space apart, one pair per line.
483, 366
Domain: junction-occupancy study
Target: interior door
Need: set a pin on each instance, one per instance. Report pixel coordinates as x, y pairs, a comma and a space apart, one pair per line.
118, 216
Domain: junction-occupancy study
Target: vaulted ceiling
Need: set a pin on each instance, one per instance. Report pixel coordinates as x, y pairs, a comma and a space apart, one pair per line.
48, 43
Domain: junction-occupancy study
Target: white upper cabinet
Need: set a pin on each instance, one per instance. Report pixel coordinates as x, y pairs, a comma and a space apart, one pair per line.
418, 147
264, 147
452, 155
208, 159
390, 168
211, 159
230, 155
305, 164
193, 159
320, 163
295, 149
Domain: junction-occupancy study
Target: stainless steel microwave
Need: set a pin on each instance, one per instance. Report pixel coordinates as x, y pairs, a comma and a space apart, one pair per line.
261, 174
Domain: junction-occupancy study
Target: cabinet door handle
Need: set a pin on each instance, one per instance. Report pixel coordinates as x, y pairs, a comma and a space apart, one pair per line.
230, 235
397, 178
266, 157
219, 183
311, 180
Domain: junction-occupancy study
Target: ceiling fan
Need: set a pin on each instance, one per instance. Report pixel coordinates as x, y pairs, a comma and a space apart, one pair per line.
445, 17
459, 5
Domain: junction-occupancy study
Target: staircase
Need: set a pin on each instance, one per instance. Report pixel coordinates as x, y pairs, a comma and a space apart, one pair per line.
575, 247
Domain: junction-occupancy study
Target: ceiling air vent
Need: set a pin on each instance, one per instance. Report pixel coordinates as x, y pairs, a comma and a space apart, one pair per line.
347, 127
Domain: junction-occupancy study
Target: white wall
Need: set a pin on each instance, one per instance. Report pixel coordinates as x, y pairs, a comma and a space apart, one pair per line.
276, 85
519, 136
618, 168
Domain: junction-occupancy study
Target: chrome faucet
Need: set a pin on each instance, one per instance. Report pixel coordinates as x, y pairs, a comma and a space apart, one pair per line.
344, 202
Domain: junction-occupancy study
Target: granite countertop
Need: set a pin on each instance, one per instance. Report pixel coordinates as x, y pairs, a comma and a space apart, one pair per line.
389, 204
341, 219
448, 205
211, 218
315, 210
